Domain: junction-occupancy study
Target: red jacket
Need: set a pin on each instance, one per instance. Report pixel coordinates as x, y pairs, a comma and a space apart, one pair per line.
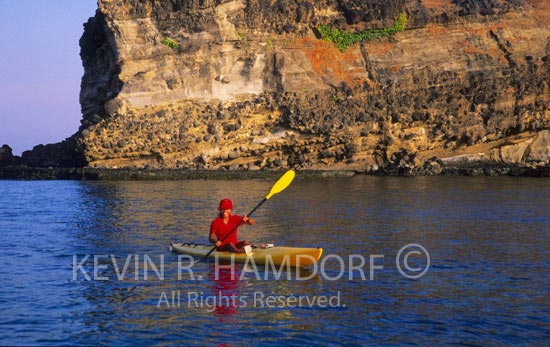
221, 229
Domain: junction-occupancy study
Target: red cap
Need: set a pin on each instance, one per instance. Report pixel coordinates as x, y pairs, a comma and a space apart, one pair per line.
226, 204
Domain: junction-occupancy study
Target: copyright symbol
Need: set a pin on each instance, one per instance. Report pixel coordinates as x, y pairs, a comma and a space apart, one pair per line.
419, 267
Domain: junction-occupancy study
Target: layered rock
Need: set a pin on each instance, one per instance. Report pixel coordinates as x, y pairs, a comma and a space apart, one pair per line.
250, 85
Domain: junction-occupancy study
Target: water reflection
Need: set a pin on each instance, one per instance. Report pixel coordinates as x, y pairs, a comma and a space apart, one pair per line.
225, 288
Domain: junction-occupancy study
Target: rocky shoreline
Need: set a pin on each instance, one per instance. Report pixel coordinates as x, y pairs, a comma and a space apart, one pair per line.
95, 174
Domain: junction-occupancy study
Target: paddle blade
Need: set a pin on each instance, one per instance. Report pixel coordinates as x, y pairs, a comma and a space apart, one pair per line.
281, 184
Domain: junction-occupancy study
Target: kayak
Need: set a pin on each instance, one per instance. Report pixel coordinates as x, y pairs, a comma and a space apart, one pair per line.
285, 256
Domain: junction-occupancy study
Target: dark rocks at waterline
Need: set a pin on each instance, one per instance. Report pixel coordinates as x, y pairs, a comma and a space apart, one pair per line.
92, 174
62, 154
40, 173
18, 172
435, 168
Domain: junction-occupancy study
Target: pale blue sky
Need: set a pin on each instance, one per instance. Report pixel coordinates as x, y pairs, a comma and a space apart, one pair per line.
40, 70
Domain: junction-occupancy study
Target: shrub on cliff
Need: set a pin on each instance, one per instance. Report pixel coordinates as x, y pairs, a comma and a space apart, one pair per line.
170, 43
342, 39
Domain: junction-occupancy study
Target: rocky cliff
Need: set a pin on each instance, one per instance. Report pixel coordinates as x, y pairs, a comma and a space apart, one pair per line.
250, 84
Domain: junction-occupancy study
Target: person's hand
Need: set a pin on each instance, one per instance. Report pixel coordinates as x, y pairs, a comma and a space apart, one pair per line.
218, 243
248, 220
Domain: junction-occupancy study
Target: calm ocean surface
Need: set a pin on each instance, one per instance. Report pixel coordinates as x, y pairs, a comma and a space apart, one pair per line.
487, 283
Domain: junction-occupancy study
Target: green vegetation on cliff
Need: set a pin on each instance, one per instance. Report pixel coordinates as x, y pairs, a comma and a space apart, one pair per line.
170, 43
342, 39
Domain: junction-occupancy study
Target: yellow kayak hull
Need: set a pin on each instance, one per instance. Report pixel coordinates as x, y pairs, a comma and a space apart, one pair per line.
280, 256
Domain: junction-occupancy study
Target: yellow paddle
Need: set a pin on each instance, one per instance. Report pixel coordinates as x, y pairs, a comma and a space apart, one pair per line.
278, 187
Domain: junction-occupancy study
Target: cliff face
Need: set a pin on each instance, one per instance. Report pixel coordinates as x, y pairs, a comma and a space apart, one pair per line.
250, 85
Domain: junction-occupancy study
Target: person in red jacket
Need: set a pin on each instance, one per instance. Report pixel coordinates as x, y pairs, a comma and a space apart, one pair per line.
223, 224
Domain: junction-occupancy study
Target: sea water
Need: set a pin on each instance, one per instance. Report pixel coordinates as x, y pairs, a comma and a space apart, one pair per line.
420, 260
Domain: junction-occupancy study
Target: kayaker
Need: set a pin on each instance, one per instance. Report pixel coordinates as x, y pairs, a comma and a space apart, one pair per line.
223, 224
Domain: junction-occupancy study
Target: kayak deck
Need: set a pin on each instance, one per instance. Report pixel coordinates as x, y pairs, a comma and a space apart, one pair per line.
290, 256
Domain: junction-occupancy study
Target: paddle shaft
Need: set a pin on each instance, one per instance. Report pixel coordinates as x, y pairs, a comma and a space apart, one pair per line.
234, 228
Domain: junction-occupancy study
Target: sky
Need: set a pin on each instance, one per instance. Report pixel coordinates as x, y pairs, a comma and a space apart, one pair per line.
40, 70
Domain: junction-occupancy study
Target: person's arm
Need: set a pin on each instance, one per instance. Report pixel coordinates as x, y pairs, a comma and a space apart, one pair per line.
212, 237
